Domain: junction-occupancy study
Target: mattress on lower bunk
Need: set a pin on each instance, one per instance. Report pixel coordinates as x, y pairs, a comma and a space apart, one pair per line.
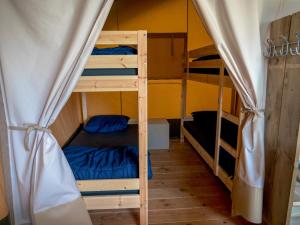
120, 138
206, 135
105, 156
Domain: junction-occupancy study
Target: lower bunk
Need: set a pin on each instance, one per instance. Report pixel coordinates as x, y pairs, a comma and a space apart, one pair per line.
105, 164
201, 133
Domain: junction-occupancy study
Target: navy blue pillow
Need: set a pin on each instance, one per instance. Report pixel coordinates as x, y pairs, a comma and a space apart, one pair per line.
106, 124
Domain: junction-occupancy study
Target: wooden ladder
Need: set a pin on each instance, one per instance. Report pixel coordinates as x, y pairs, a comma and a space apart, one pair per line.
230, 117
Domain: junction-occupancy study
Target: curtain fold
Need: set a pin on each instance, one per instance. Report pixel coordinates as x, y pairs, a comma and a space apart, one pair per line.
239, 29
235, 28
43, 49
3, 203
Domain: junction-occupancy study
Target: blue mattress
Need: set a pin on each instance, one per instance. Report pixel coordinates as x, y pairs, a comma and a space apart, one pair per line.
121, 50
88, 163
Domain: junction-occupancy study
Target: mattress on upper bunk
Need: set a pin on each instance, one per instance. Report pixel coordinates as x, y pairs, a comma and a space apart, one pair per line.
121, 50
209, 71
205, 134
105, 155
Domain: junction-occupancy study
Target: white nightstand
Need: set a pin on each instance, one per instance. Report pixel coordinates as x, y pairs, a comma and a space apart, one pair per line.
158, 134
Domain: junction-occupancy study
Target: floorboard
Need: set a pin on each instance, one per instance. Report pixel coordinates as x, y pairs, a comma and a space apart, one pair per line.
183, 191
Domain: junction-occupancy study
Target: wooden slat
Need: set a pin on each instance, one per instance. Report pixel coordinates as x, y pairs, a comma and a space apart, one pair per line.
112, 201
194, 216
117, 37
231, 118
204, 51
111, 61
183, 192
143, 125
106, 83
213, 63
210, 79
219, 120
208, 159
108, 185
228, 148
239, 138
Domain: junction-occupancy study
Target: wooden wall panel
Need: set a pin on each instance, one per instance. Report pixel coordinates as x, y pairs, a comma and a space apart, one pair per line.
166, 55
282, 127
103, 103
68, 120
164, 99
273, 111
130, 104
201, 96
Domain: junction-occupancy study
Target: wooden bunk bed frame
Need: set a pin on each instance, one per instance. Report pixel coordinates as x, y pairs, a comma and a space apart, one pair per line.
111, 83
222, 81
211, 63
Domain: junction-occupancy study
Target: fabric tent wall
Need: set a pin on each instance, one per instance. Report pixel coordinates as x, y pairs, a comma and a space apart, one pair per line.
239, 29
43, 49
3, 204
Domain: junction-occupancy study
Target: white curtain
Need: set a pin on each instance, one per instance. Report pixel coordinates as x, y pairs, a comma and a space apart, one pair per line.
239, 29
43, 49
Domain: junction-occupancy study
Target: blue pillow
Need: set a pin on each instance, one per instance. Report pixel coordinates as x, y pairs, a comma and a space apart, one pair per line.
106, 124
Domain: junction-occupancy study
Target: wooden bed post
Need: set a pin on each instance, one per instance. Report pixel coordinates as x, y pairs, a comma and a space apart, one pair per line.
219, 120
84, 107
183, 107
143, 126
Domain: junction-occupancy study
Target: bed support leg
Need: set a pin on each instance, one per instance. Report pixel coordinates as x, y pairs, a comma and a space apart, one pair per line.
219, 120
183, 107
84, 107
143, 126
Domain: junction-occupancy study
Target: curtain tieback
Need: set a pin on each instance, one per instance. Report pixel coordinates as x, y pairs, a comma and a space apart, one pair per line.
28, 128
254, 110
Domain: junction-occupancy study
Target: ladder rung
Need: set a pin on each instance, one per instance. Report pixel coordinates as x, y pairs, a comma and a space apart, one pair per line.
231, 118
228, 148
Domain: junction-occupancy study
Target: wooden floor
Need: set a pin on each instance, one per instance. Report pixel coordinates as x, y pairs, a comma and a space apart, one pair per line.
183, 191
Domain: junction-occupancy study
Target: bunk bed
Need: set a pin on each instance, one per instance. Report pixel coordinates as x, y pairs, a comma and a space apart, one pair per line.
204, 65
216, 135
108, 72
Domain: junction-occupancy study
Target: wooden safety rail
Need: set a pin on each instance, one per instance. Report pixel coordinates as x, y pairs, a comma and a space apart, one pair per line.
116, 82
206, 64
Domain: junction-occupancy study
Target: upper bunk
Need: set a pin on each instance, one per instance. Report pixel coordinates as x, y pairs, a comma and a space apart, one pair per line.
111, 68
205, 65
